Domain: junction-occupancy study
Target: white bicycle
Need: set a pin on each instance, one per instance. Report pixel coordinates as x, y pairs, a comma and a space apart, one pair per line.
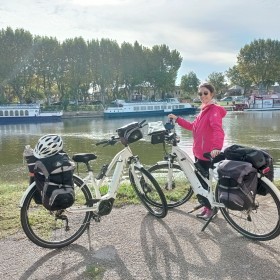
179, 177
56, 229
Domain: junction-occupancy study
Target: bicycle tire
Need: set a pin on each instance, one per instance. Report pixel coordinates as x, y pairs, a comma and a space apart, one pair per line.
44, 229
262, 223
181, 190
150, 194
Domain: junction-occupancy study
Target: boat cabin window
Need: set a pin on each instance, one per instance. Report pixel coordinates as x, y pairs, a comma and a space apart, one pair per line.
1, 113
21, 112
143, 108
150, 107
11, 113
136, 108
157, 107
181, 106
16, 113
26, 113
6, 113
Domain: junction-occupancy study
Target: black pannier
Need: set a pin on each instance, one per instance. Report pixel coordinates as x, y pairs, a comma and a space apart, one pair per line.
260, 159
243, 153
130, 133
54, 179
237, 184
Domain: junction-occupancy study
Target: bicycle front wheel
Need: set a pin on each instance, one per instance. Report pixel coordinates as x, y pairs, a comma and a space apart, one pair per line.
263, 222
173, 182
55, 229
149, 192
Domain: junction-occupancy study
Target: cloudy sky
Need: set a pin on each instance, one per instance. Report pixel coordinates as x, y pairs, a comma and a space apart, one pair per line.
207, 33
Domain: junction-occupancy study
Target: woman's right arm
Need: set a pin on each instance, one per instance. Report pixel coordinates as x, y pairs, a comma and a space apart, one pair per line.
182, 122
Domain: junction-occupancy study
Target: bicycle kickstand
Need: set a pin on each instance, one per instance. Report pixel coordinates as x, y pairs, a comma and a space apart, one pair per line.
215, 211
195, 208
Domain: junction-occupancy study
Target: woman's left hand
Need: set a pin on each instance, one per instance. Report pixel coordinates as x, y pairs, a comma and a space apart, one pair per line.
214, 153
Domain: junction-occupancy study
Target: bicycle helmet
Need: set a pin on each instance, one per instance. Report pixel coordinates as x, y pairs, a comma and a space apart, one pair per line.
48, 145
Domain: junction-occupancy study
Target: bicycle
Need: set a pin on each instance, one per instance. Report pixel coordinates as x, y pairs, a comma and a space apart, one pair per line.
180, 178
56, 229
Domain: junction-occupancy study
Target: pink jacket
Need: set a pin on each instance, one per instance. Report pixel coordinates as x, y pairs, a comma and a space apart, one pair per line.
208, 133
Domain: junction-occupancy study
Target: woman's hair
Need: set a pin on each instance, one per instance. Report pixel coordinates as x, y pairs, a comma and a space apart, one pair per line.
208, 86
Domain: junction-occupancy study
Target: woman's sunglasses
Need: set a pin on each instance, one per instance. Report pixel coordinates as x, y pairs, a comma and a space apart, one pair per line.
205, 93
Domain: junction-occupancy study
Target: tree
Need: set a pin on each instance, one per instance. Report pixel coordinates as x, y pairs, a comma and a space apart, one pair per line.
218, 81
259, 62
236, 78
190, 83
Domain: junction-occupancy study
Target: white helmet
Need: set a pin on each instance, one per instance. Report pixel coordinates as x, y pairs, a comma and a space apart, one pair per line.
48, 145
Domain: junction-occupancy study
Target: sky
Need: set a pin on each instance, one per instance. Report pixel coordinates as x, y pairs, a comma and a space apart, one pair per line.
208, 34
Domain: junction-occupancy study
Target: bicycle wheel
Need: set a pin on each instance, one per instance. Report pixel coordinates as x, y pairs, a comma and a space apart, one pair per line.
261, 223
174, 184
55, 229
149, 192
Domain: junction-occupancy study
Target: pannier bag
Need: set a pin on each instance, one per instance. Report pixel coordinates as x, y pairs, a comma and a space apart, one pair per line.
243, 153
130, 133
54, 179
260, 159
237, 184
157, 132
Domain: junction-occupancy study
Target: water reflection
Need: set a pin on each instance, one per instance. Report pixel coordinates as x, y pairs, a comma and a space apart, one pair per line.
259, 129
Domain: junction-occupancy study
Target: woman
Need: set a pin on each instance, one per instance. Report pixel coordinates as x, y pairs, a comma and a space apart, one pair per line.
208, 133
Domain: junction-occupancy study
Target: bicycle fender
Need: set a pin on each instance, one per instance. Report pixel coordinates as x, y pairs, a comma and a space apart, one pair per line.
27, 191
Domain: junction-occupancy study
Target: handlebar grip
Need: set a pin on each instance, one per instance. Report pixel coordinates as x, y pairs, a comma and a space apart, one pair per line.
142, 122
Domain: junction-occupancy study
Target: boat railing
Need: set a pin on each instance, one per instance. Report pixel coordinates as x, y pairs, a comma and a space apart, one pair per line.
20, 106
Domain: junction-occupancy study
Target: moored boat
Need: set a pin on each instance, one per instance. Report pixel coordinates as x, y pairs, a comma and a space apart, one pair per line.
123, 109
263, 103
23, 113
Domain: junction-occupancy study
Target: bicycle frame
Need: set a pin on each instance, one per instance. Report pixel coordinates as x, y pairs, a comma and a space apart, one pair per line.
188, 167
119, 162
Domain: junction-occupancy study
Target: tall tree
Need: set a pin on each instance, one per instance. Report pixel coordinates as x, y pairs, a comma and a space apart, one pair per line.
217, 79
259, 61
189, 83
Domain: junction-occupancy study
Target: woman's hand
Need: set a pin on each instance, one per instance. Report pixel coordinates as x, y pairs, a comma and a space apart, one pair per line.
214, 153
172, 116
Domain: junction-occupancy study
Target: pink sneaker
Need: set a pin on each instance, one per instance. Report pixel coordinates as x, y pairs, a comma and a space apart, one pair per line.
203, 212
208, 213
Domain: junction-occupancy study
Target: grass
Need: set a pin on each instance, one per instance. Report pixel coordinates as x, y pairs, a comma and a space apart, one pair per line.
10, 195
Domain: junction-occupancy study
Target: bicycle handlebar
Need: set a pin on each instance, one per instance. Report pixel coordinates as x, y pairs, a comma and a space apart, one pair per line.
114, 139
111, 141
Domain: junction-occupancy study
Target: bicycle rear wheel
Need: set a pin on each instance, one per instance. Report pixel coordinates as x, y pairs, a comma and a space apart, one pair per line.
149, 192
55, 229
174, 183
261, 223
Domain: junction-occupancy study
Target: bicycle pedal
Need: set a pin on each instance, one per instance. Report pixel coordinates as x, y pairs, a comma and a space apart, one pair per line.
96, 218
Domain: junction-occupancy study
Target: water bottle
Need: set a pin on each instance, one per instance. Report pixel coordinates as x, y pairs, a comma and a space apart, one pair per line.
30, 159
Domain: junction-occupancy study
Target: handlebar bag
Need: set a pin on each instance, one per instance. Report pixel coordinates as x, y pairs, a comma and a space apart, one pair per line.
130, 133
237, 184
54, 179
157, 132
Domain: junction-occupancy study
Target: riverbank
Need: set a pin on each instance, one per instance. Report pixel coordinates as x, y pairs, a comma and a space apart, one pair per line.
83, 114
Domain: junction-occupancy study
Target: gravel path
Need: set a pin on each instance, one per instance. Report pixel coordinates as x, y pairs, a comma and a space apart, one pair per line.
130, 244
